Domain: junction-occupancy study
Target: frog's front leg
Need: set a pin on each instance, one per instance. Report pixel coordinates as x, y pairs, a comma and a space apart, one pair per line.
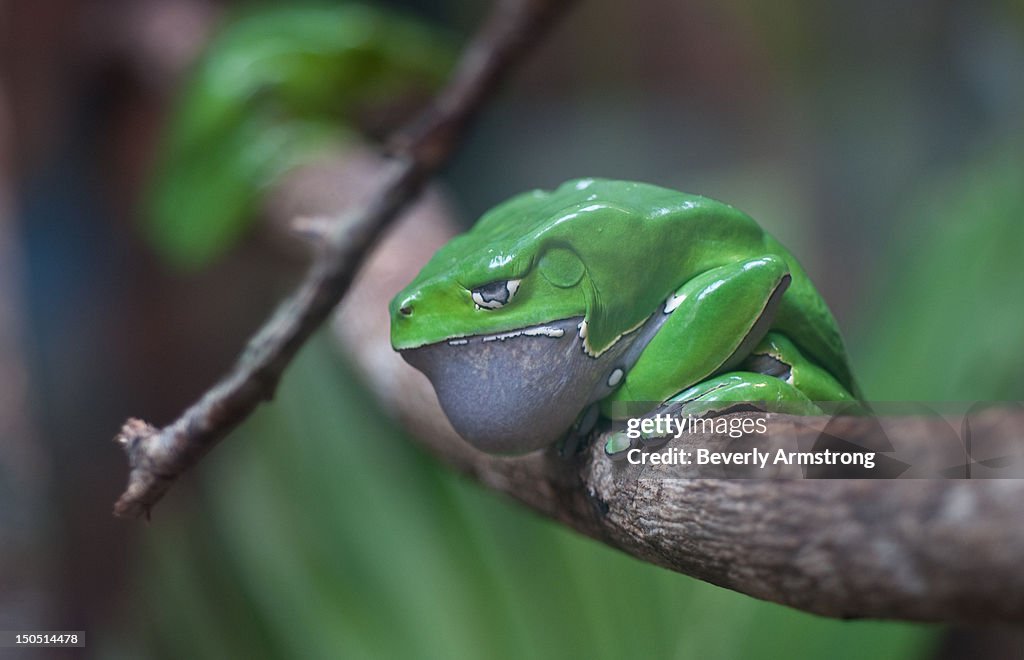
777, 356
714, 321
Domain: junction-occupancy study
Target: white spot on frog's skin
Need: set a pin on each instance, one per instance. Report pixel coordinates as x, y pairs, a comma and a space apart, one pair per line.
583, 184
535, 331
583, 329
544, 331
615, 378
673, 303
458, 342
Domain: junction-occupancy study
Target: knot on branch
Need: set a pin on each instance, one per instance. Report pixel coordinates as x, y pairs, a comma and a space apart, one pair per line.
143, 489
133, 432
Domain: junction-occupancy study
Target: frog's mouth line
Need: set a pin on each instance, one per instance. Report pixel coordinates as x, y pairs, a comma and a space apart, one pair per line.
553, 331
520, 390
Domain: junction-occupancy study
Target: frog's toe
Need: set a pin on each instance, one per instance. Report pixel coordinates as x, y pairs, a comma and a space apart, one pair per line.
617, 445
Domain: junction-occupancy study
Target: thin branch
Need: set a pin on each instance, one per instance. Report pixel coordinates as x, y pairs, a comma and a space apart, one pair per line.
158, 456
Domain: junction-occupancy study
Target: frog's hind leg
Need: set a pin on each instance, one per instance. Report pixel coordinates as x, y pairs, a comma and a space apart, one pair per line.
777, 356
775, 376
738, 387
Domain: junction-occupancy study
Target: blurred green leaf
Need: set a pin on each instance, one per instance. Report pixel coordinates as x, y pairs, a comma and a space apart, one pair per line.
274, 90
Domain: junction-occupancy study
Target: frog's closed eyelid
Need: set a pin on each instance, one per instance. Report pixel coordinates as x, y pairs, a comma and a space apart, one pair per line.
494, 294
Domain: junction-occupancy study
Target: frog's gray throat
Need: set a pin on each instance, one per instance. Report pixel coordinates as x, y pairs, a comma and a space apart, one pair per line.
517, 391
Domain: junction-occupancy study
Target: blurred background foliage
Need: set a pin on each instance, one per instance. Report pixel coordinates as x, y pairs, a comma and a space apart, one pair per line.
880, 142
970, 326
275, 89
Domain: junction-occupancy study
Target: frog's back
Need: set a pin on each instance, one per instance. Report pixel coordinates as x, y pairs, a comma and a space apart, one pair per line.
674, 236
806, 319
697, 227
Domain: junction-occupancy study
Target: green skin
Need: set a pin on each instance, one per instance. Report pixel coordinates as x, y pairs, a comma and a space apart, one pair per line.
744, 323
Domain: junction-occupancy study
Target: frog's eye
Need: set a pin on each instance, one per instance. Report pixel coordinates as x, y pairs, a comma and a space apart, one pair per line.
496, 294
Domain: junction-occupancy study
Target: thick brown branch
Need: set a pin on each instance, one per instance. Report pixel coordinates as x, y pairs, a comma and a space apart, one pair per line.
928, 550
158, 456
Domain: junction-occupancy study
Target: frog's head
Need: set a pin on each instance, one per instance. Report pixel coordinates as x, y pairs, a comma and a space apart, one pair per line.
506, 274
502, 318
519, 322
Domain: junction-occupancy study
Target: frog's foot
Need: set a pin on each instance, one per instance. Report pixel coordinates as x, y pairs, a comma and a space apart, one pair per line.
761, 391
618, 445
728, 390
717, 395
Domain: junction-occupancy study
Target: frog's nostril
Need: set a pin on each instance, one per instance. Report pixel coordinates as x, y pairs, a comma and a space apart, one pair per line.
405, 310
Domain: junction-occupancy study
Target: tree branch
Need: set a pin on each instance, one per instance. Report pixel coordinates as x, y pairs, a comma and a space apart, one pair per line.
912, 549
927, 550
158, 456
